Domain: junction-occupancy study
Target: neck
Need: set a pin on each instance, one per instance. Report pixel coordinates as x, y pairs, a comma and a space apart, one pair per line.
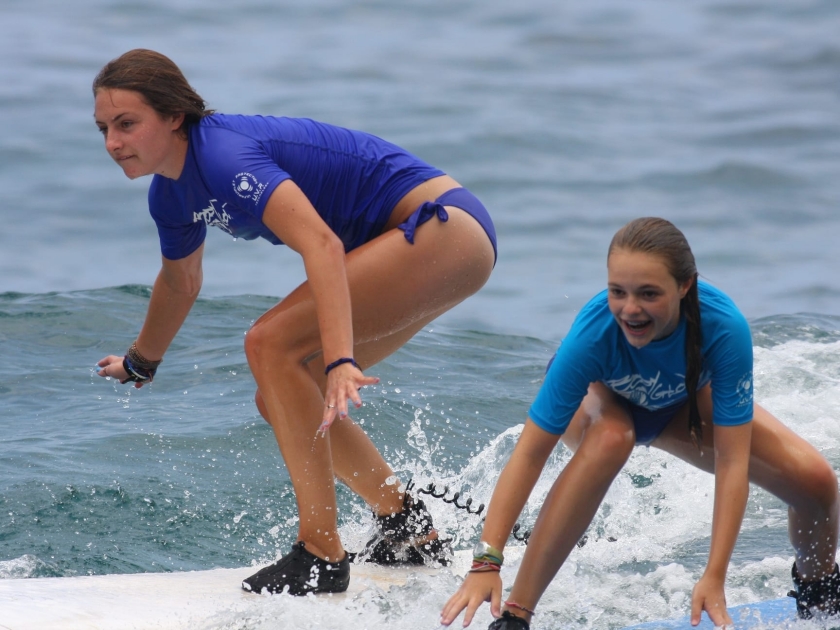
174, 165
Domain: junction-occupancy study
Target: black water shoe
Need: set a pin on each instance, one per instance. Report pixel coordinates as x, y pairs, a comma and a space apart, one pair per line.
509, 622
299, 573
816, 597
393, 542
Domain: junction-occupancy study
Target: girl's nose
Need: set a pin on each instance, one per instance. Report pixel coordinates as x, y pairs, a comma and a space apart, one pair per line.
631, 306
111, 141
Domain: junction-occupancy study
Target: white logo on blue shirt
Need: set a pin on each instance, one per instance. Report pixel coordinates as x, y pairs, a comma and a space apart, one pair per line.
647, 392
214, 217
246, 186
744, 389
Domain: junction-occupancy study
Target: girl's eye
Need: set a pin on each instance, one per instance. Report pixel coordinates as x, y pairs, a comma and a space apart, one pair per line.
616, 292
650, 295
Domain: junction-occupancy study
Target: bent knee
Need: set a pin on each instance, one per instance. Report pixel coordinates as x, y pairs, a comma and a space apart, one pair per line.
258, 400
819, 481
277, 339
613, 440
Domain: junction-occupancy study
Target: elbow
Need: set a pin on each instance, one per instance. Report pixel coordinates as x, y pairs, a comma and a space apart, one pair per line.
332, 246
183, 282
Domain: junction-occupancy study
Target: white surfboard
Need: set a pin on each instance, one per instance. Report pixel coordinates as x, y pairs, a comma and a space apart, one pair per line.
214, 598
162, 601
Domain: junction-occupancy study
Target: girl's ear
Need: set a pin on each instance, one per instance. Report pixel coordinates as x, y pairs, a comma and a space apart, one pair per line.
684, 287
178, 121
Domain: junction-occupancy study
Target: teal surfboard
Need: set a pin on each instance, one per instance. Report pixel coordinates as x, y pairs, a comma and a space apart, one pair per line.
775, 613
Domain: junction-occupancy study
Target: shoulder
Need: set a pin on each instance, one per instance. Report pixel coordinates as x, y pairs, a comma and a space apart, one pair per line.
231, 153
722, 322
595, 318
716, 306
593, 327
220, 128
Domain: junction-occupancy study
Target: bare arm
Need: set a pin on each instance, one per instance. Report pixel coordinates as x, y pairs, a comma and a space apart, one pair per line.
291, 216
515, 484
173, 295
732, 455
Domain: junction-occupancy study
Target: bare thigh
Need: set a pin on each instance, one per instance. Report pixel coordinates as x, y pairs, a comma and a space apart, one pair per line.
600, 407
781, 462
395, 289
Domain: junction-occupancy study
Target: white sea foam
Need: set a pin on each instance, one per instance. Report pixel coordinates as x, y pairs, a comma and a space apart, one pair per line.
25, 566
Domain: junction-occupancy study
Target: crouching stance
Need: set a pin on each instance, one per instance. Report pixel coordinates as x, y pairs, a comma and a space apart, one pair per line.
654, 326
388, 243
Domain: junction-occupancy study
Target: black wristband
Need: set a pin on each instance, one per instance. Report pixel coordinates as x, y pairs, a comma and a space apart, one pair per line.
137, 374
341, 361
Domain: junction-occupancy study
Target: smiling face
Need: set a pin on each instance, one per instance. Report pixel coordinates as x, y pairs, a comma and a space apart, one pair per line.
138, 139
643, 296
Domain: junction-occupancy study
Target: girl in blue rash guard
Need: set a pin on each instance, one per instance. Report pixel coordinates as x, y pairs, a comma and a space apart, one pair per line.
660, 359
377, 228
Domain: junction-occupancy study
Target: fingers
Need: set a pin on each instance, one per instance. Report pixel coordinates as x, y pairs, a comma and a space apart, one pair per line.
453, 608
695, 616
496, 602
475, 590
713, 602
343, 384
719, 616
112, 367
696, 607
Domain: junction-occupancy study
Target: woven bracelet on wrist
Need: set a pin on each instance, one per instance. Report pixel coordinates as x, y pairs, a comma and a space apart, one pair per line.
484, 567
341, 361
139, 361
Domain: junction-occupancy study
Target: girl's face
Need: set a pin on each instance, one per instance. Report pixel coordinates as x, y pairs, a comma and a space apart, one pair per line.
643, 296
137, 137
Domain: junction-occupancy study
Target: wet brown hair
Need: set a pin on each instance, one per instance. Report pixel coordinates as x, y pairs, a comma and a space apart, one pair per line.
659, 237
158, 80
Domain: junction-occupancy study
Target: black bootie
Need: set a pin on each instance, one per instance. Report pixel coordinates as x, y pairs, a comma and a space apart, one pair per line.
299, 573
816, 596
509, 622
393, 542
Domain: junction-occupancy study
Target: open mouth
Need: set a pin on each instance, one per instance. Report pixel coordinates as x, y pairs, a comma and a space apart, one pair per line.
637, 328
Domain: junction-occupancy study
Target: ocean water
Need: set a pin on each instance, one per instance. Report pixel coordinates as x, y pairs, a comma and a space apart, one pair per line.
567, 119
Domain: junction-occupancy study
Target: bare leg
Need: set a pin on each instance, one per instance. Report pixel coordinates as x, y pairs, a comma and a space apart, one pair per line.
785, 465
602, 437
357, 447
395, 288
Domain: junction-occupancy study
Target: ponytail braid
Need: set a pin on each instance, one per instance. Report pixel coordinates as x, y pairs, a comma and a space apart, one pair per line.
690, 309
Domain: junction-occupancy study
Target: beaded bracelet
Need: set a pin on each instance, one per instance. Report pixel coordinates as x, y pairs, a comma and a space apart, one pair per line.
485, 566
138, 360
341, 361
522, 608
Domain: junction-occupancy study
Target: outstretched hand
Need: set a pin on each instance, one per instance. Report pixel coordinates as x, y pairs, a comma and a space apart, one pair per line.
112, 366
343, 384
708, 595
477, 588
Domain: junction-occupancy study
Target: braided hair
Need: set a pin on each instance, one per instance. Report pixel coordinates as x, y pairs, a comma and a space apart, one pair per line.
661, 238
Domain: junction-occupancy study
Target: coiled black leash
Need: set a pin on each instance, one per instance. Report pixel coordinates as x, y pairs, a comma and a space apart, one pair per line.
433, 491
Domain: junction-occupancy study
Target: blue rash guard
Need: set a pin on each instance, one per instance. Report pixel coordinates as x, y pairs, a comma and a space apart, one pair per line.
234, 163
652, 377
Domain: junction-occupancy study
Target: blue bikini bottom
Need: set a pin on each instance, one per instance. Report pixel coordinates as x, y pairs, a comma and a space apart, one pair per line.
458, 197
650, 423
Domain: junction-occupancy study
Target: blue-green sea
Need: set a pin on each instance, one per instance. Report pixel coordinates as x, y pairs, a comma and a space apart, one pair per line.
567, 119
